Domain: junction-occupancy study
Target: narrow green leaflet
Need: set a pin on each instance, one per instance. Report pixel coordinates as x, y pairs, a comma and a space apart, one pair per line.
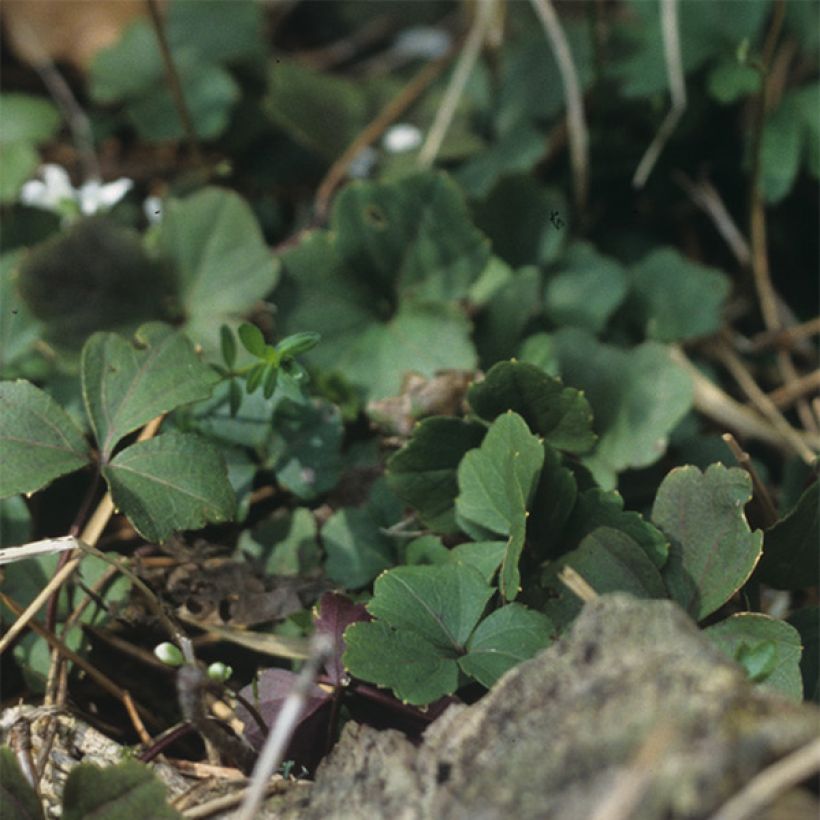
129, 789
713, 551
677, 299
502, 640
768, 647
791, 549
497, 479
586, 288
560, 414
637, 398
425, 614
610, 561
126, 385
222, 262
357, 549
599, 508
173, 482
18, 799
423, 473
496, 482
38, 440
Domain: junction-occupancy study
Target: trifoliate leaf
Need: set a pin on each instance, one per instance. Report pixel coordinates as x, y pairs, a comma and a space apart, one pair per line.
712, 549
38, 440
126, 385
173, 482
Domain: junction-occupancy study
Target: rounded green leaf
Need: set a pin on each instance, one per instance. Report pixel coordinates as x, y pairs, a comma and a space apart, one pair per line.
172, 482
712, 549
38, 440
755, 637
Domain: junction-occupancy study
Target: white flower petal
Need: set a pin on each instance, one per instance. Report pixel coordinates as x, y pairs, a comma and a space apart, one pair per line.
401, 137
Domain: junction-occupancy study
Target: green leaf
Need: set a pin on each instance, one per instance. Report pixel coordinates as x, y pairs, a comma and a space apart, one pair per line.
253, 340
357, 549
19, 330
18, 800
18, 162
222, 262
637, 398
780, 149
507, 311
586, 288
285, 543
227, 345
560, 414
129, 789
298, 343
496, 482
552, 504
38, 440
27, 118
759, 660
791, 550
401, 660
521, 218
598, 508
126, 385
424, 472
318, 110
747, 634
807, 622
610, 561
306, 448
172, 482
504, 639
729, 81
15, 522
442, 604
677, 299
425, 616
713, 551
497, 479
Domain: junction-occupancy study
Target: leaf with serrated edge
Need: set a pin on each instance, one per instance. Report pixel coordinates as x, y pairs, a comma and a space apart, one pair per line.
173, 482
126, 385
712, 549
38, 440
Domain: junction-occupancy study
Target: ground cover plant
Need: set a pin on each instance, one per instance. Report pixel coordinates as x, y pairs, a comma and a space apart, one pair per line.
410, 326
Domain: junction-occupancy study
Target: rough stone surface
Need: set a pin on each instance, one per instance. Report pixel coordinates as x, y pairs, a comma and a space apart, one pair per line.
634, 687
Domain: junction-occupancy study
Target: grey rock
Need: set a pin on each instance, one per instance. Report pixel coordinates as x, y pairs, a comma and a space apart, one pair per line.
632, 694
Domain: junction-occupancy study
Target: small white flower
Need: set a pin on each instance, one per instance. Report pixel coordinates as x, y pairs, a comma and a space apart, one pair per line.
362, 164
401, 138
422, 42
152, 208
54, 192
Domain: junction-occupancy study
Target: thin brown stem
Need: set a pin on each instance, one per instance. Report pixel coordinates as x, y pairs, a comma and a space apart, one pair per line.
174, 83
761, 493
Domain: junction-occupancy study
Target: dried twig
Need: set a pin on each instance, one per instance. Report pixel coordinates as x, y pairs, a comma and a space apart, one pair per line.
466, 61
787, 337
766, 785
577, 584
677, 91
373, 130
760, 490
277, 741
784, 396
174, 83
576, 121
